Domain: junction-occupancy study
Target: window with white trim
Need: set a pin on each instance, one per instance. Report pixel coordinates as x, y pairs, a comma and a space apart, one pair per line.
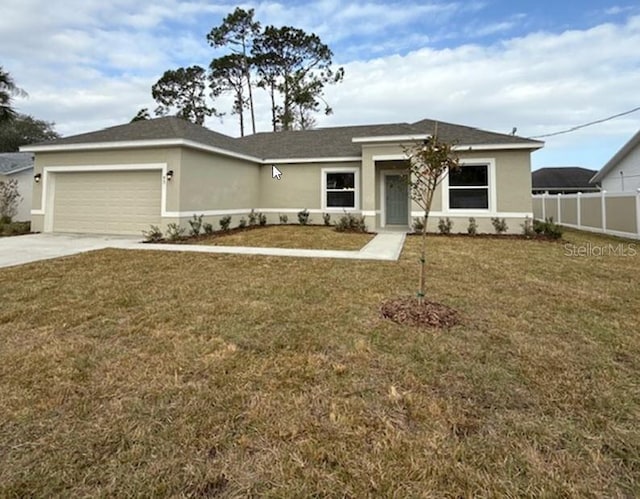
469, 188
340, 189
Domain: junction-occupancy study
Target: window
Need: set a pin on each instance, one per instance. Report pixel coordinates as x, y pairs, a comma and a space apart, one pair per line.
340, 189
469, 188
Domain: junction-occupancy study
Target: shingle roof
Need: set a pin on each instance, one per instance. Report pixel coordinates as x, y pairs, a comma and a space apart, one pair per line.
11, 162
565, 177
316, 143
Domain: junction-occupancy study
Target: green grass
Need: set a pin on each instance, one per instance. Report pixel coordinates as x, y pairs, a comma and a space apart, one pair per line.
164, 374
291, 236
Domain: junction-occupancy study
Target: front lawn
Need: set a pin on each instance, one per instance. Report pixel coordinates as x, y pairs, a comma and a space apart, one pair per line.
291, 236
202, 375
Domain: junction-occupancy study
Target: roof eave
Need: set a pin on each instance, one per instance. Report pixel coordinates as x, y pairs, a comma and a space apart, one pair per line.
617, 157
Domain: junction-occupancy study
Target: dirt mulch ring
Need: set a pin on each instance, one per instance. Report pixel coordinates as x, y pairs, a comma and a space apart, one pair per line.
409, 311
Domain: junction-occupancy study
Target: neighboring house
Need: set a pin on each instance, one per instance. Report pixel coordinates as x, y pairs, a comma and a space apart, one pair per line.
622, 172
563, 180
19, 166
123, 179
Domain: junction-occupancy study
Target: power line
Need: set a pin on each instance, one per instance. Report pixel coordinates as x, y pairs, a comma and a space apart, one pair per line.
573, 129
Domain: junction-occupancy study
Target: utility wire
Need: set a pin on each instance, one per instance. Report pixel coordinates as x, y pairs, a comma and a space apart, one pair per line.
573, 129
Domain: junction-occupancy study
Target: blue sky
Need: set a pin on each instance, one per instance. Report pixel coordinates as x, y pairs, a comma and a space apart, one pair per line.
538, 66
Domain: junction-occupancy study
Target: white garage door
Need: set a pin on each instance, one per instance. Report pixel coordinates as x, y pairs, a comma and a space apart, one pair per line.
114, 202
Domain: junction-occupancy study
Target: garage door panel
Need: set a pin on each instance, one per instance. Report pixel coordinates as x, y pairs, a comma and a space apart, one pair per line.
111, 202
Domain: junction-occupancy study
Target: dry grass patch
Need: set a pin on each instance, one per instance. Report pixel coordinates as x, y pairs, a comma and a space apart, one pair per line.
291, 236
163, 374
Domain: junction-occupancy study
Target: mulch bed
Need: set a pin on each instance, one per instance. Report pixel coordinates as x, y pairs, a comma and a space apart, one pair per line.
409, 311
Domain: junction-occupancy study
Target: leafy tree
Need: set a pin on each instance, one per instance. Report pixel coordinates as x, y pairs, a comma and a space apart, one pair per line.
9, 199
8, 90
227, 74
182, 89
238, 31
24, 129
429, 163
298, 67
142, 115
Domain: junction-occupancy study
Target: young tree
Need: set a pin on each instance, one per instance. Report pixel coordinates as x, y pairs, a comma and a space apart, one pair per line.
9, 199
183, 90
8, 90
227, 75
23, 130
299, 66
429, 163
238, 30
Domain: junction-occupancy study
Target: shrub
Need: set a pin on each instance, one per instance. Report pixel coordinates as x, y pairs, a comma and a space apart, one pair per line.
548, 228
418, 224
225, 222
284, 219
499, 225
153, 235
196, 224
208, 229
15, 228
9, 199
527, 228
444, 225
538, 226
175, 232
243, 223
472, 228
262, 219
351, 223
253, 218
326, 218
303, 217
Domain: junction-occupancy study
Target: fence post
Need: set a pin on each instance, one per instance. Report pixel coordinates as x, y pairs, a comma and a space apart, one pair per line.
544, 206
638, 211
559, 196
603, 207
579, 209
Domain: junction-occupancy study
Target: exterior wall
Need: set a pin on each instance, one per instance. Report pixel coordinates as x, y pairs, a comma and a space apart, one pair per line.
629, 181
25, 188
93, 160
615, 213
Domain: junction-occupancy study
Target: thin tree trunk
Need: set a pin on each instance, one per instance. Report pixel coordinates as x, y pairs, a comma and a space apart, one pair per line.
273, 108
423, 258
253, 113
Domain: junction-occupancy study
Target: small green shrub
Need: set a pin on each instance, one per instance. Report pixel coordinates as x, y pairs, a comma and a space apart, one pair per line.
548, 228
15, 228
527, 228
153, 235
499, 225
445, 225
303, 217
538, 226
243, 223
225, 222
326, 218
208, 229
283, 218
418, 224
351, 223
175, 232
253, 218
472, 228
196, 225
262, 219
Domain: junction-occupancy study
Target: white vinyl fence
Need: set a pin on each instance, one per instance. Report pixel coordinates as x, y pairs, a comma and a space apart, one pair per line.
615, 213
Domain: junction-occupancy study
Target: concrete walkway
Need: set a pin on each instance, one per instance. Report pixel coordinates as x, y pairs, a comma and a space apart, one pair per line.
35, 247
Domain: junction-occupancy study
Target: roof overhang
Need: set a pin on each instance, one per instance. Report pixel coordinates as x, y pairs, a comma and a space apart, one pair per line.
498, 147
138, 144
17, 170
617, 157
389, 138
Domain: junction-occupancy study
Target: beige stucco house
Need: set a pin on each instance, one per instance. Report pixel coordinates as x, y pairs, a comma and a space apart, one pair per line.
123, 179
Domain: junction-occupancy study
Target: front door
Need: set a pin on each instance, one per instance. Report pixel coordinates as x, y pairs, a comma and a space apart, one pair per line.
397, 200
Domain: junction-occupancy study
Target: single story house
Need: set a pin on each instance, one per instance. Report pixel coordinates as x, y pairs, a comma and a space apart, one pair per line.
622, 171
123, 179
19, 166
563, 180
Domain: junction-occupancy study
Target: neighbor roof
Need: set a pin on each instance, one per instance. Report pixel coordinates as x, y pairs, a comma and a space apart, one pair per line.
563, 177
335, 142
617, 157
13, 162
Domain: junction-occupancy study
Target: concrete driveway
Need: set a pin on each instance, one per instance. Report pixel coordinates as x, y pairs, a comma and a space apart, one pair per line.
34, 247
